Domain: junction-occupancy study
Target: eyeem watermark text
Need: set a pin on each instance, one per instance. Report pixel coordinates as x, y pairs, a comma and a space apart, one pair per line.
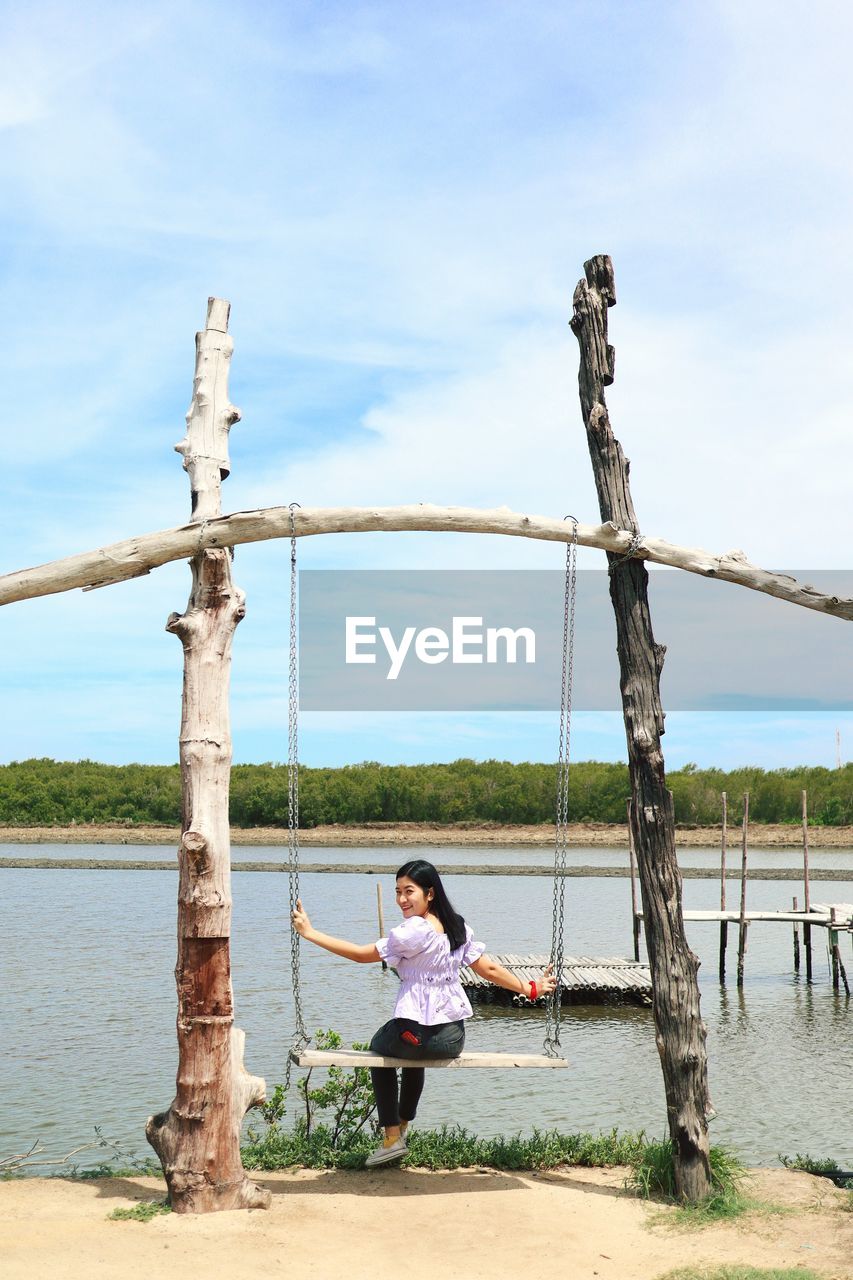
394, 640
468, 642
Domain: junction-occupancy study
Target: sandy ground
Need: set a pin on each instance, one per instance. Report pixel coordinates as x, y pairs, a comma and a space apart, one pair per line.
475, 1225
402, 835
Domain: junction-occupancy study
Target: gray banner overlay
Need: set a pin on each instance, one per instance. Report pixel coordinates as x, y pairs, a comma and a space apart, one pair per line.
393, 640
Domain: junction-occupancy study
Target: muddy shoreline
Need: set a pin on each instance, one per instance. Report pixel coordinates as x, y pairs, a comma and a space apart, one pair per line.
411, 834
374, 868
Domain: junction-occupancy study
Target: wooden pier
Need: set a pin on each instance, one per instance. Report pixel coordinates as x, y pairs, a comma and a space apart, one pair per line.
820, 915
585, 980
835, 917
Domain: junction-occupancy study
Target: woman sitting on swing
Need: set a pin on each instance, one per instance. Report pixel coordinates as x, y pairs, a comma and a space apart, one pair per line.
428, 949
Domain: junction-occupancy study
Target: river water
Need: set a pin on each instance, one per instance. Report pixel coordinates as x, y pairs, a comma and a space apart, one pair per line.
444, 856
88, 1026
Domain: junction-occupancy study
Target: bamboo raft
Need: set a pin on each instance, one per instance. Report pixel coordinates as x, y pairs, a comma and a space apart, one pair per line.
585, 980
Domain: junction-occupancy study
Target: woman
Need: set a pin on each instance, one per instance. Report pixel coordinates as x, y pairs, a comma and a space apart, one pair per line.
428, 949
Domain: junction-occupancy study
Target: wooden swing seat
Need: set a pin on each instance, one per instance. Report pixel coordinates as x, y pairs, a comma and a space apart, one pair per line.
363, 1058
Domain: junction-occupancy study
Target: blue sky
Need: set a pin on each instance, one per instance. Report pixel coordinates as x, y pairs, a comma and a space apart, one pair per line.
397, 199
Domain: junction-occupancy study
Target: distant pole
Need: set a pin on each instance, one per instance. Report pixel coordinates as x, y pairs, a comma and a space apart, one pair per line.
741, 944
807, 929
838, 748
796, 939
632, 858
724, 924
381, 914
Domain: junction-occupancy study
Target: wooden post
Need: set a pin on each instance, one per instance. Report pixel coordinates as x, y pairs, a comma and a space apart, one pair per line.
635, 915
724, 924
675, 990
807, 929
796, 940
743, 926
380, 915
198, 1138
838, 970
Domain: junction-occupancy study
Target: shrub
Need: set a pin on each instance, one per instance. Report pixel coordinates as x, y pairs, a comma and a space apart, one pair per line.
653, 1176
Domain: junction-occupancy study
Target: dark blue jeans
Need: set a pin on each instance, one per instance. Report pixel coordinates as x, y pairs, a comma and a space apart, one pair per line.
446, 1040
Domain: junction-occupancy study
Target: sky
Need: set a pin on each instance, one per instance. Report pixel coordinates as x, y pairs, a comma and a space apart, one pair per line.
397, 200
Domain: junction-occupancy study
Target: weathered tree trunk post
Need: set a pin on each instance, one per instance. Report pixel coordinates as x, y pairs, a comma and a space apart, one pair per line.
632, 861
198, 1138
680, 1030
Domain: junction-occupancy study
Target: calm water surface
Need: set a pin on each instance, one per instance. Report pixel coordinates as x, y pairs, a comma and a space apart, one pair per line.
520, 855
88, 961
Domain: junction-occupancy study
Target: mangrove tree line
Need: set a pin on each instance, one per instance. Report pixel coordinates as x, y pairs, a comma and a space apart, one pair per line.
57, 793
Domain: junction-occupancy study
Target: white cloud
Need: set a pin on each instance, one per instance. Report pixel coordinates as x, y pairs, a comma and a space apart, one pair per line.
398, 211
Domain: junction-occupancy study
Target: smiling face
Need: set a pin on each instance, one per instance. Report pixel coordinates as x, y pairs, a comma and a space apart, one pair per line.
412, 899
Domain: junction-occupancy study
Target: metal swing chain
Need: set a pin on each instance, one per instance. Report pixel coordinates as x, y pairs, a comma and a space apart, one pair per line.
300, 1035
554, 1004
635, 546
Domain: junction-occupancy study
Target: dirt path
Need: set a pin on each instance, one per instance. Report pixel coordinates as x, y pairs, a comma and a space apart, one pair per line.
471, 1224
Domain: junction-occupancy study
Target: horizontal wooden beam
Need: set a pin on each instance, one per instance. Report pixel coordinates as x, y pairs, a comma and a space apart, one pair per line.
819, 918
137, 556
361, 1058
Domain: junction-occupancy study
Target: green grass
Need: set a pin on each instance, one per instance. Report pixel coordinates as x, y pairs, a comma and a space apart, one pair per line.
740, 1273
142, 1169
450, 1147
826, 1168
454, 1148
653, 1177
142, 1212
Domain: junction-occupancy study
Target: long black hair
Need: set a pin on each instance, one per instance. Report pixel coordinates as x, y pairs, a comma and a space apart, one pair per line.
426, 877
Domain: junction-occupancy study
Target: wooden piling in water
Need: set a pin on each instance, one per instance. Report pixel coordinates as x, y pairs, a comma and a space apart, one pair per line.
743, 926
635, 915
839, 973
724, 925
380, 915
807, 929
796, 939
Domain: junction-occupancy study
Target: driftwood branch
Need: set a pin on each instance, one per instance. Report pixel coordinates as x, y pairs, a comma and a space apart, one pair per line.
137, 556
26, 1159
